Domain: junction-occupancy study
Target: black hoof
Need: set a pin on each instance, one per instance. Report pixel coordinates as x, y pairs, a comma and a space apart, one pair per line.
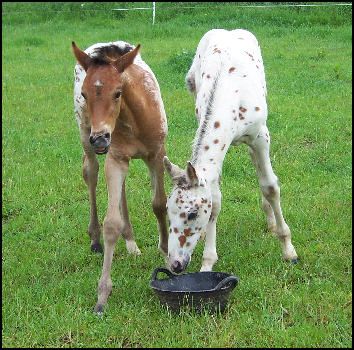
99, 309
96, 248
294, 261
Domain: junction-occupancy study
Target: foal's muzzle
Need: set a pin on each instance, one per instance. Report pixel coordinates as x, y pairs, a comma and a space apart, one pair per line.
179, 265
100, 142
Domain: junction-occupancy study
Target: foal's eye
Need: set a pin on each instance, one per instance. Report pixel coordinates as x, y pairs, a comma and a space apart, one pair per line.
192, 215
83, 95
117, 94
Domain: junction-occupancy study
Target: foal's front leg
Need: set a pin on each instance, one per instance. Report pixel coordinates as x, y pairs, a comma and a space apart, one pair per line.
90, 169
113, 224
210, 257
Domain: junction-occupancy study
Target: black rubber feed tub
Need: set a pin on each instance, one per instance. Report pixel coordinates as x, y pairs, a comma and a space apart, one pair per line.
199, 290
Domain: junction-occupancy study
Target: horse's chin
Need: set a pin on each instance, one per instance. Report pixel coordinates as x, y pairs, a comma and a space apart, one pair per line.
101, 150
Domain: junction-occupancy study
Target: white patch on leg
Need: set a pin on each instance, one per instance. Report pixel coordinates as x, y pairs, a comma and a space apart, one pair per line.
209, 259
206, 268
132, 248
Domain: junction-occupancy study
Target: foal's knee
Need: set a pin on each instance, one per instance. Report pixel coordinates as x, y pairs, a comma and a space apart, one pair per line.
112, 228
271, 191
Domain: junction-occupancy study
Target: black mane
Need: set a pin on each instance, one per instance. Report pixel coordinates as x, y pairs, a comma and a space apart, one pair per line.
102, 54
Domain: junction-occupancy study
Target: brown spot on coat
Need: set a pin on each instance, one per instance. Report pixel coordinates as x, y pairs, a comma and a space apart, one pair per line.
257, 109
231, 69
243, 109
206, 147
182, 215
222, 148
182, 240
187, 231
208, 76
175, 230
216, 141
216, 125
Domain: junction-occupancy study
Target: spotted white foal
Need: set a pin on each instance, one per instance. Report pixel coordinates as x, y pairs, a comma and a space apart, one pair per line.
228, 81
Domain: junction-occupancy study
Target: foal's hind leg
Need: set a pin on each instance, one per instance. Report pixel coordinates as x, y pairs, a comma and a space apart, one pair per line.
267, 208
127, 232
156, 169
271, 191
90, 169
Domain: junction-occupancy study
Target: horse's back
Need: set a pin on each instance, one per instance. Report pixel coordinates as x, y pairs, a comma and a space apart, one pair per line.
236, 51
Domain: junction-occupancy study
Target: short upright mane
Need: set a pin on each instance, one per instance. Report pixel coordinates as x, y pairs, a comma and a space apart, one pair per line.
102, 55
205, 122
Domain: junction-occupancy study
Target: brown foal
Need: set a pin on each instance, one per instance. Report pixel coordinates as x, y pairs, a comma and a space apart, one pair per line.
120, 113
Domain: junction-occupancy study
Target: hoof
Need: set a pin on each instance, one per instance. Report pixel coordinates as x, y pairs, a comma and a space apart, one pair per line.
294, 261
98, 309
96, 248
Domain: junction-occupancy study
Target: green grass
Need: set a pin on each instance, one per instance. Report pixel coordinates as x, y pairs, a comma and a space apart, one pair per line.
49, 274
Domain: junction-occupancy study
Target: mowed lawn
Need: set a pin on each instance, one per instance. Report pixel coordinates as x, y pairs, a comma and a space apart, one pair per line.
49, 275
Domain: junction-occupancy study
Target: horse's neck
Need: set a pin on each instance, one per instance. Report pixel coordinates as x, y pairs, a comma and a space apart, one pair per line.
212, 140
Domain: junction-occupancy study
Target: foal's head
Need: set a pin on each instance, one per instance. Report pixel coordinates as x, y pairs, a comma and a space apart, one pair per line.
103, 89
188, 209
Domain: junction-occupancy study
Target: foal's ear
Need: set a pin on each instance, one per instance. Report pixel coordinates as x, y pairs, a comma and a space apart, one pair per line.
126, 60
82, 57
173, 170
192, 174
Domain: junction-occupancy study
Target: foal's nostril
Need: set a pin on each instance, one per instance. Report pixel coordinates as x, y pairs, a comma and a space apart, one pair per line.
100, 140
177, 267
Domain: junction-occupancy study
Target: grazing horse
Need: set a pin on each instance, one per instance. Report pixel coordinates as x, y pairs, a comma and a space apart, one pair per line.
120, 113
228, 82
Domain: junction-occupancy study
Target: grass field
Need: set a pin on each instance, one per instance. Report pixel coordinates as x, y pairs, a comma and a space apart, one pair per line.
49, 275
